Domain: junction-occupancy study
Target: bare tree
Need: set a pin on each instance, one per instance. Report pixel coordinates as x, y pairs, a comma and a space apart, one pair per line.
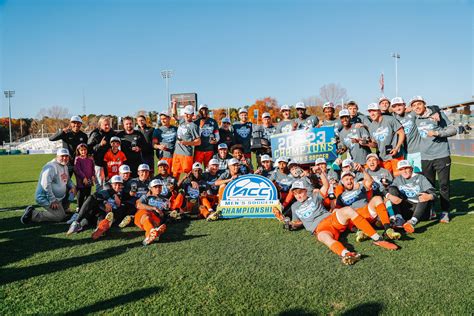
332, 93
312, 101
55, 112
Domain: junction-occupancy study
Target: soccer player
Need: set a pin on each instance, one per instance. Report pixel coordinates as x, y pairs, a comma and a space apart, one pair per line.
243, 132
227, 176
308, 211
411, 194
282, 180
384, 105
359, 196
209, 133
222, 156
304, 121
352, 139
266, 169
357, 119
237, 152
99, 143
150, 214
132, 144
226, 135
286, 124
113, 158
330, 118
188, 137
52, 192
147, 150
264, 131
164, 139
387, 136
210, 177
434, 148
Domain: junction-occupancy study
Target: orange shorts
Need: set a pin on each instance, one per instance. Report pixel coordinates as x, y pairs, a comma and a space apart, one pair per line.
169, 161
331, 224
153, 217
203, 157
391, 165
181, 164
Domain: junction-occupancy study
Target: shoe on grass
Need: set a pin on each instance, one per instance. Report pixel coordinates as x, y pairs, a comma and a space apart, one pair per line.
444, 218
409, 227
361, 236
74, 228
391, 234
125, 221
278, 214
398, 221
350, 258
214, 216
73, 218
26, 217
103, 226
385, 244
155, 234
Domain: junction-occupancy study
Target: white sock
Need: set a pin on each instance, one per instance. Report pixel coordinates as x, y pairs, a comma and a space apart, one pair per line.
375, 237
414, 221
344, 252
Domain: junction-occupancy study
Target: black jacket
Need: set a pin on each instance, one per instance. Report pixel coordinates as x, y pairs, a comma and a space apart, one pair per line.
70, 141
95, 148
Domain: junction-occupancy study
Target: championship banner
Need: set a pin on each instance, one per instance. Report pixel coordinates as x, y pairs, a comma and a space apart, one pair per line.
251, 196
305, 145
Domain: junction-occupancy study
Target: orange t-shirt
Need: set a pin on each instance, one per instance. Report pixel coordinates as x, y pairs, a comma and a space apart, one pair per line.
114, 161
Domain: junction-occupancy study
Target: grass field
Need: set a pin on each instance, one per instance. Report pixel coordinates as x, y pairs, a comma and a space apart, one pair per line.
230, 266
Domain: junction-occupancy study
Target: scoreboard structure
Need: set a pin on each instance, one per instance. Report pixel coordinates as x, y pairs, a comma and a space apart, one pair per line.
184, 99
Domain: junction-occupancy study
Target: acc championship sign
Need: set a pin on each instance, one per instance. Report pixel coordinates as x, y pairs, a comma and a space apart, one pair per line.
249, 196
305, 145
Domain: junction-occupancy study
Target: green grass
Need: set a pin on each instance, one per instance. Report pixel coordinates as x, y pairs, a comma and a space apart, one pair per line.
227, 267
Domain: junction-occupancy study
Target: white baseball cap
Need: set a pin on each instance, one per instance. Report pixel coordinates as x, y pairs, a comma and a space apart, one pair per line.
222, 146
116, 179
281, 159
226, 120
143, 167
384, 98
163, 163
397, 100
371, 155
243, 110
346, 163
373, 107
300, 105
266, 114
154, 183
347, 173
320, 161
293, 162
403, 164
344, 113
417, 98
62, 152
232, 161
197, 165
124, 169
328, 105
76, 118
265, 158
285, 107
203, 106
189, 109
298, 184
213, 161
115, 139
164, 113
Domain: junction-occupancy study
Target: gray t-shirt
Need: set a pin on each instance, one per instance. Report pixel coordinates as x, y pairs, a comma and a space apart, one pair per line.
360, 118
384, 134
207, 128
410, 188
187, 131
433, 147
264, 132
336, 123
284, 127
222, 161
310, 212
308, 122
413, 138
283, 180
243, 133
357, 152
306, 181
382, 173
166, 136
355, 198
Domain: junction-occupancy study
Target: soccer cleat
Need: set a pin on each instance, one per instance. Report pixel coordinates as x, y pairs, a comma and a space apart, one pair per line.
391, 234
444, 218
103, 226
409, 227
398, 221
125, 221
73, 218
385, 244
279, 216
214, 216
74, 228
155, 234
26, 217
350, 258
432, 214
361, 236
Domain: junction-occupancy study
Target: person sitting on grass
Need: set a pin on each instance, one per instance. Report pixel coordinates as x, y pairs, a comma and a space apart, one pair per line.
308, 211
99, 208
150, 215
237, 152
170, 189
54, 191
282, 180
230, 174
222, 156
412, 195
266, 169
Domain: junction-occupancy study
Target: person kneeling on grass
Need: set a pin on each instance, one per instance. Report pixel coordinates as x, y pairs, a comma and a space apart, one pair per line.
100, 208
53, 191
150, 214
308, 211
411, 194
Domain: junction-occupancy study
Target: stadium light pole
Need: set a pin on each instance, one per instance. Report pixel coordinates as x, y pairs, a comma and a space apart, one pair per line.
167, 74
397, 57
9, 94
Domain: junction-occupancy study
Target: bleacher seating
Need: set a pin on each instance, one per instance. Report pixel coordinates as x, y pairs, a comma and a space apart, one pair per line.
39, 145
